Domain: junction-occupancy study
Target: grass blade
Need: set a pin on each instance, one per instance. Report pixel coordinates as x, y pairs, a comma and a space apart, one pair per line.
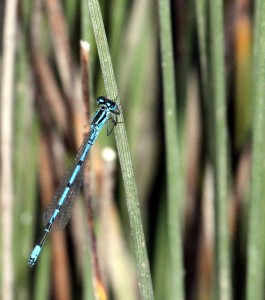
256, 245
142, 263
222, 288
172, 154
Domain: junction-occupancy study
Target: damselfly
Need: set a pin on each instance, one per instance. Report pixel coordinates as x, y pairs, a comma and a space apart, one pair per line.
58, 213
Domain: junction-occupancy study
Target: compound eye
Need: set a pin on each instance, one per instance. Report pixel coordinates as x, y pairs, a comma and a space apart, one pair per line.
111, 104
101, 100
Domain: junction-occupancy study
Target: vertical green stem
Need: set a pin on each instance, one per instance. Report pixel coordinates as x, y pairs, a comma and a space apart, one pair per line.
138, 239
222, 249
172, 153
255, 263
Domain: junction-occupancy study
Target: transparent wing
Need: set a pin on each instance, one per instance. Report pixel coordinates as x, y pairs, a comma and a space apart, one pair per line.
68, 204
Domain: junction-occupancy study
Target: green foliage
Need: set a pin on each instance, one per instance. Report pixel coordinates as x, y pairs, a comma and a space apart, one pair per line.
185, 199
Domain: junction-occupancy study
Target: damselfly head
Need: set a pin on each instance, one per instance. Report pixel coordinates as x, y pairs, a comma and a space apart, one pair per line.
111, 105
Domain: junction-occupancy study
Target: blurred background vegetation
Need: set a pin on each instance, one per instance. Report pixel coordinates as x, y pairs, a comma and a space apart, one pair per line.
204, 179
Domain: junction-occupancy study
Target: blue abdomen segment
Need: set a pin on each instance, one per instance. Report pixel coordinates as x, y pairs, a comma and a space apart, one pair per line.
74, 174
64, 195
34, 255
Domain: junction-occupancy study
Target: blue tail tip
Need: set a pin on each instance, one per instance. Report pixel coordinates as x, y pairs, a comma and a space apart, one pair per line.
31, 261
34, 255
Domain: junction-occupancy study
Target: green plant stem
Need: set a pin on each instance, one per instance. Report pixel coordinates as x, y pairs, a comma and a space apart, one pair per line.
207, 105
256, 245
172, 154
222, 283
142, 263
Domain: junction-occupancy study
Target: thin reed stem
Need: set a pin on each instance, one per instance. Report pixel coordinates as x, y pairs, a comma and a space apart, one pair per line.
6, 134
138, 239
172, 155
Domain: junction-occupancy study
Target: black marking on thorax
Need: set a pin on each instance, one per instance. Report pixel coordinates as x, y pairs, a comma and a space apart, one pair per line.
99, 117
